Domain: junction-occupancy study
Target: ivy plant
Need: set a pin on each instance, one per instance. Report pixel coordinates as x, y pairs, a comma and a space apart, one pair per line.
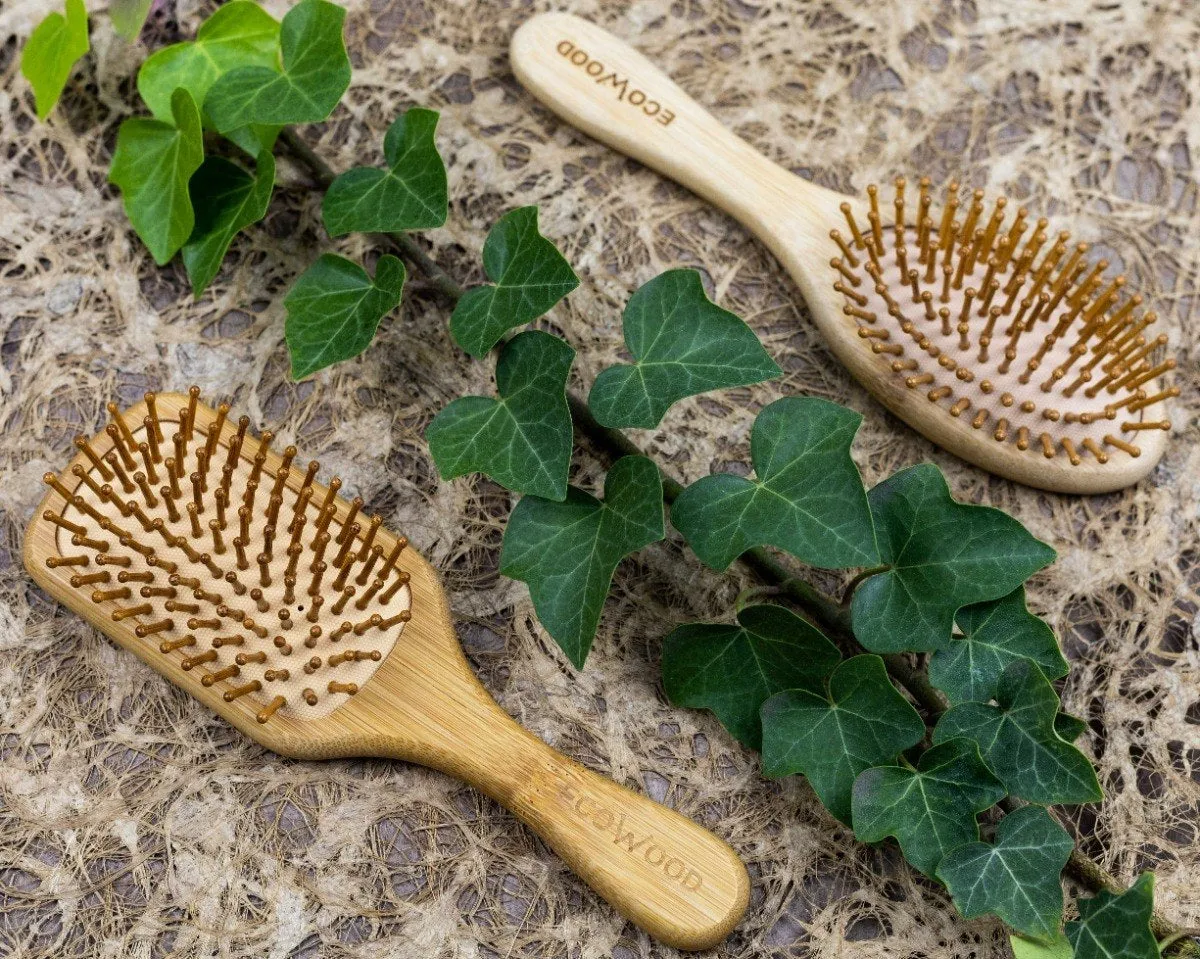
961, 764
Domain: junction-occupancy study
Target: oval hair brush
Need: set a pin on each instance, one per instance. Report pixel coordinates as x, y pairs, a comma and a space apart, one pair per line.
993, 336
318, 633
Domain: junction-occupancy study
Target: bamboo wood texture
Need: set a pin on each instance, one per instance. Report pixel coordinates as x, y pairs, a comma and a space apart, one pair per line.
423, 704
609, 90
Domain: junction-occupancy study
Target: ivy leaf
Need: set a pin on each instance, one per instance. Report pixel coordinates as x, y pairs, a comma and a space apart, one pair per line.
995, 635
51, 52
523, 439
567, 552
128, 17
859, 721
1018, 740
929, 810
410, 195
808, 498
682, 344
941, 555
1017, 878
334, 309
1056, 948
1068, 727
1116, 926
316, 72
152, 165
227, 199
733, 670
529, 277
238, 34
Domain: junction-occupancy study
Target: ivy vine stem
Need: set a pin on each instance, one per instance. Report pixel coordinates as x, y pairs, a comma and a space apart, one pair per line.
848, 593
824, 610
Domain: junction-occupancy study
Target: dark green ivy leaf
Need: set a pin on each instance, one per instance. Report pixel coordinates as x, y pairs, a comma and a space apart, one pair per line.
1016, 878
227, 199
238, 34
1017, 739
941, 555
1116, 926
1068, 727
808, 498
995, 635
529, 277
52, 51
316, 72
567, 552
733, 670
523, 439
409, 195
929, 810
152, 165
334, 309
682, 344
860, 720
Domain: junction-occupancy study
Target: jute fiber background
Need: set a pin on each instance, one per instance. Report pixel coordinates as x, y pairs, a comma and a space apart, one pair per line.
134, 823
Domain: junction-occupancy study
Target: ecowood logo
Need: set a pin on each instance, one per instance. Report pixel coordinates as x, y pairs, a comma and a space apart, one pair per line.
606, 821
604, 77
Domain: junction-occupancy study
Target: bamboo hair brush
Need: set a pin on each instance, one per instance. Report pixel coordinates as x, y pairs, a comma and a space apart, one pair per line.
993, 337
318, 633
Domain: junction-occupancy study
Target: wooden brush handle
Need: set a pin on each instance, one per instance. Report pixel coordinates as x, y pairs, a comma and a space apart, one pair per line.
606, 88
660, 870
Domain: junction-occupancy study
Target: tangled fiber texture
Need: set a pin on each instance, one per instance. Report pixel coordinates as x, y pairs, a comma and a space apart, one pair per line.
134, 823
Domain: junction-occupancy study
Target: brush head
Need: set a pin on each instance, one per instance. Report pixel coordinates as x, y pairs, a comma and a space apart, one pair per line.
1020, 342
226, 566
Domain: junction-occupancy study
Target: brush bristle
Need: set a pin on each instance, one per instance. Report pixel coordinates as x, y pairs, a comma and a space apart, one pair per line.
223, 556
1014, 333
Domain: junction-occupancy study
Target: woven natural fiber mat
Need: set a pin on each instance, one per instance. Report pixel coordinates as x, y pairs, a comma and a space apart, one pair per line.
135, 823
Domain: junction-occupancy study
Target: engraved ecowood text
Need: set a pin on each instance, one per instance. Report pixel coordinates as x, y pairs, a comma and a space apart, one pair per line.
597, 71
605, 820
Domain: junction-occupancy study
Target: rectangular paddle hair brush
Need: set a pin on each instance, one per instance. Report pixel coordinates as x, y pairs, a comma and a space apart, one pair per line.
319, 633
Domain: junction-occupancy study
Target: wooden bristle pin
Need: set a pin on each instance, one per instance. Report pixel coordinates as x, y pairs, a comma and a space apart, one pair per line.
369, 538
349, 528
84, 446
389, 594
86, 477
213, 432
365, 573
147, 548
238, 691
393, 556
264, 715
225, 672
350, 533
52, 517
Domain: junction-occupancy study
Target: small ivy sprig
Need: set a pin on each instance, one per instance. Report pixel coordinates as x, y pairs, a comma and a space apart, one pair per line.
889, 749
